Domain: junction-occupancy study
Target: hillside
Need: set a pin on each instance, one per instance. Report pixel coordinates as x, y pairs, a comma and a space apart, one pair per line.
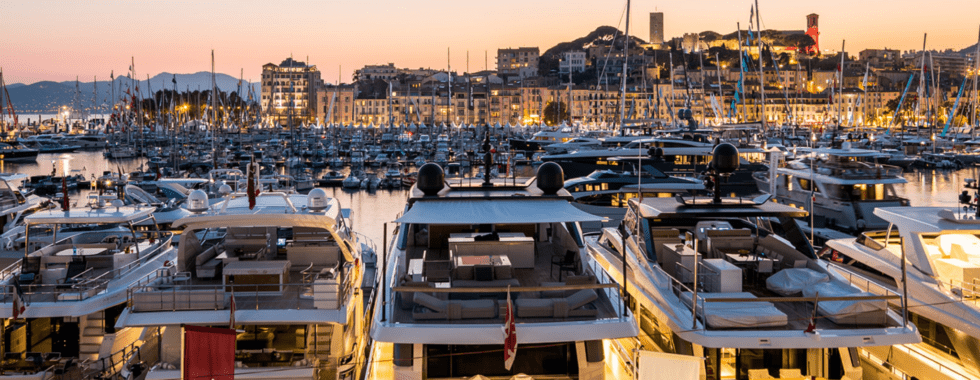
602, 36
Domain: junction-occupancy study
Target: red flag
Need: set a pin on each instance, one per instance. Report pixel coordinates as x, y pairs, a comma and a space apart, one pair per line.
19, 306
510, 334
208, 353
64, 192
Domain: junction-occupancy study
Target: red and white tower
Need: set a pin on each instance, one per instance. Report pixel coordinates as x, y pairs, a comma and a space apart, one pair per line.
813, 32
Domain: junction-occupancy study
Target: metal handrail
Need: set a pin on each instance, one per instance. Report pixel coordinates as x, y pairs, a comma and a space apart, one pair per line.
148, 284
10, 269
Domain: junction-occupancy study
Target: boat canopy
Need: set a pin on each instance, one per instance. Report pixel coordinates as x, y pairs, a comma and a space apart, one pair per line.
105, 215
496, 211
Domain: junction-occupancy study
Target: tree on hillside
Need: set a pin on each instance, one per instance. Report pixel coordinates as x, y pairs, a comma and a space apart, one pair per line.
907, 107
555, 113
547, 66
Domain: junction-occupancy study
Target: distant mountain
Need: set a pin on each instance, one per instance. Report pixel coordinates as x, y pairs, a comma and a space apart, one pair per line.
602, 36
49, 97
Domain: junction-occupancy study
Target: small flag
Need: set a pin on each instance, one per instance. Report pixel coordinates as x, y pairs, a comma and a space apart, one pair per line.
231, 321
510, 335
19, 305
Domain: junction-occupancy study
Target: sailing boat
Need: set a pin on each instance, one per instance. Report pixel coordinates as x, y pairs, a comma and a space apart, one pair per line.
9, 110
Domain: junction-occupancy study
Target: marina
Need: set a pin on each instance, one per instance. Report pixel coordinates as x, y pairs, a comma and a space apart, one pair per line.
385, 215
750, 204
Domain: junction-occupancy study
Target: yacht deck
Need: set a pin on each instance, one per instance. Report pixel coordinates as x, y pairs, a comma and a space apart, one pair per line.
541, 276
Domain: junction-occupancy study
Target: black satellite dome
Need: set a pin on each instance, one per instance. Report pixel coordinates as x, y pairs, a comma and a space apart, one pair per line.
655, 152
725, 158
550, 178
431, 179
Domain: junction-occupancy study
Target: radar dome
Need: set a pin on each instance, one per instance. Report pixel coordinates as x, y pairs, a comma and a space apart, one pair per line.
655, 152
197, 201
431, 179
550, 178
317, 199
725, 158
224, 190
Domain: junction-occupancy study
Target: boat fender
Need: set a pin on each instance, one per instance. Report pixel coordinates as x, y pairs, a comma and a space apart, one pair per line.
861, 224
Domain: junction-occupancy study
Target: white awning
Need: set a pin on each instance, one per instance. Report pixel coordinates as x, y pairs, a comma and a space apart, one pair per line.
496, 211
661, 366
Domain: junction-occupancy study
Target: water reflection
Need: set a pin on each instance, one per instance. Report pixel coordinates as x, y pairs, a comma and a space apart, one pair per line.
370, 210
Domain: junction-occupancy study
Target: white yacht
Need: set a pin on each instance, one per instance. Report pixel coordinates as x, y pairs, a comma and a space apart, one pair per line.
687, 157
459, 252
298, 277
14, 202
606, 193
846, 185
75, 289
941, 248
542, 139
735, 281
577, 143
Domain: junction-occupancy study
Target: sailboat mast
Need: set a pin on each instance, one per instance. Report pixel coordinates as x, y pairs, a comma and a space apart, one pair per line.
622, 84
741, 73
922, 76
762, 78
449, 87
670, 105
721, 93
214, 118
840, 85
701, 79
3, 115
976, 73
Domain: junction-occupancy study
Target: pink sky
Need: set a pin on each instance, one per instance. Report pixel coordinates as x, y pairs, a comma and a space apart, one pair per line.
57, 40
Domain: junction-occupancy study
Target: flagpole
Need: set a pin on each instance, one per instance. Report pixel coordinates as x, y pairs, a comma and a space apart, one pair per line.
762, 74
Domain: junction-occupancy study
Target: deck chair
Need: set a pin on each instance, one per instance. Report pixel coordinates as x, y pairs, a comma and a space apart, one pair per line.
755, 374
790, 373
30, 269
564, 263
75, 268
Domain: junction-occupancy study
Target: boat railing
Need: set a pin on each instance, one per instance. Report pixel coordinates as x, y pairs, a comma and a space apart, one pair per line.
967, 291
860, 171
10, 270
916, 352
863, 283
78, 287
166, 290
163, 238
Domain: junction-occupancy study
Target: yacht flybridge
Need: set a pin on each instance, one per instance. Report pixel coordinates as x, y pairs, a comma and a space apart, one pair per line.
69, 293
297, 279
461, 251
736, 282
941, 251
846, 185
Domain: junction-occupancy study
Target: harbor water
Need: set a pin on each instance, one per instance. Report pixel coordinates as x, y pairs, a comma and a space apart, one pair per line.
371, 209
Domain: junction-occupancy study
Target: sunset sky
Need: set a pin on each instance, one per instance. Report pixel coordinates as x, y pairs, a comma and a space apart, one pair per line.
57, 40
